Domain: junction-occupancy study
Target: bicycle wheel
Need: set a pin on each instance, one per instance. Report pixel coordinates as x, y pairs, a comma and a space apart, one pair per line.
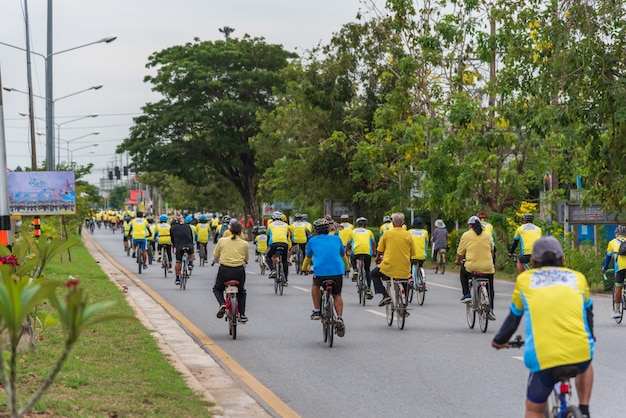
262, 264
389, 308
150, 254
202, 254
361, 285
412, 287
573, 412
233, 316
139, 260
470, 310
164, 262
127, 249
483, 306
619, 320
330, 324
400, 304
298, 259
324, 316
420, 284
280, 274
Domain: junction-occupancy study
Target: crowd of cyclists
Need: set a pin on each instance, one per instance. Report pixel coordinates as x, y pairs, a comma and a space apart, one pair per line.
331, 250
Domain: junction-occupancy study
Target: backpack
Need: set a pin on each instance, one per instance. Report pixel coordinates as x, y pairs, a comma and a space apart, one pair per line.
622, 247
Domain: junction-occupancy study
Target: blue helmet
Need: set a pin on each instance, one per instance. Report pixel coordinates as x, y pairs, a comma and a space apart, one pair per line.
163, 218
202, 218
188, 219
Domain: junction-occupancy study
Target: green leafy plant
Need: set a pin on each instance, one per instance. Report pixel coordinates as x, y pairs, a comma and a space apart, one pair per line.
22, 289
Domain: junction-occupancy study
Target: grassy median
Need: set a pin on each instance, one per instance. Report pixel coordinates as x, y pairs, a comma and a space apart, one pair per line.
115, 369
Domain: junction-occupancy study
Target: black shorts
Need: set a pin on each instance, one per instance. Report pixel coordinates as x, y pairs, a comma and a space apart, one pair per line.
619, 277
338, 282
180, 249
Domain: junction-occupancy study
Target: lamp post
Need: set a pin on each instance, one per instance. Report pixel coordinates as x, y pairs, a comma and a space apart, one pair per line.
58, 125
74, 139
71, 152
50, 165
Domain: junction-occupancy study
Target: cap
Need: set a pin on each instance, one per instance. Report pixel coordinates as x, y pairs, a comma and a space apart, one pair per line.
473, 219
544, 245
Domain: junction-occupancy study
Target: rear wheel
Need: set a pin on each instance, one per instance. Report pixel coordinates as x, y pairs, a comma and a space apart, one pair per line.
469, 310
389, 312
552, 406
324, 316
139, 260
164, 263
280, 274
442, 261
202, 254
622, 308
262, 264
150, 254
233, 316
420, 285
400, 305
483, 303
573, 412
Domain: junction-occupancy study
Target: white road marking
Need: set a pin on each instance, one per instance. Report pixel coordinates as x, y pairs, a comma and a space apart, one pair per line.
520, 358
301, 288
376, 313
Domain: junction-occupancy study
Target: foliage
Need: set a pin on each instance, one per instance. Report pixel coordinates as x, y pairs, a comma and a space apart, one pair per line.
21, 291
201, 128
118, 196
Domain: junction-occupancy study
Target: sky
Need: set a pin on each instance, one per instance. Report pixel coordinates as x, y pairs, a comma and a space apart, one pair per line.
142, 27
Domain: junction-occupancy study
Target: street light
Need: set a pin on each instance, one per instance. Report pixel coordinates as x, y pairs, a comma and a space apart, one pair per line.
71, 152
58, 125
49, 100
74, 139
98, 87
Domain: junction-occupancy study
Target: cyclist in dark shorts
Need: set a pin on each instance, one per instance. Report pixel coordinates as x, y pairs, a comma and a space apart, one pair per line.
182, 238
331, 263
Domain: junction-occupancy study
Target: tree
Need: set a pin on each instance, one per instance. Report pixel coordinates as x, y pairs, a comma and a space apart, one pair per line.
118, 196
201, 128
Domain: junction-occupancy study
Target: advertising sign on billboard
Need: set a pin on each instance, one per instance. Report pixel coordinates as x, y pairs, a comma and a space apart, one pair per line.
42, 192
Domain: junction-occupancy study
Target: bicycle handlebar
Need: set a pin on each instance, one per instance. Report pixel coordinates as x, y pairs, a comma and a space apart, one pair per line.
517, 342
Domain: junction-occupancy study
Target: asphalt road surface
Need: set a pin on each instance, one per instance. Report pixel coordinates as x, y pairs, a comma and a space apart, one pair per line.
435, 367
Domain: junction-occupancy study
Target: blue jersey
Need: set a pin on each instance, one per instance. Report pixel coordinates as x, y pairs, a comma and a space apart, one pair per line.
327, 251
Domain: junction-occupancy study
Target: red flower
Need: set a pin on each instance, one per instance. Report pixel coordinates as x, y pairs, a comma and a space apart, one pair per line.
72, 283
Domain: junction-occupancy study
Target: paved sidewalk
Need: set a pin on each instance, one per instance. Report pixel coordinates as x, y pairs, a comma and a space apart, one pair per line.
200, 370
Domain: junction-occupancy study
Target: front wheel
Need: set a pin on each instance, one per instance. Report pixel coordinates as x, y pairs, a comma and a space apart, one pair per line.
470, 312
420, 285
400, 306
389, 313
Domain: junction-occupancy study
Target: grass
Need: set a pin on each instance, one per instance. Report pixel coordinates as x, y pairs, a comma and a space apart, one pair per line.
115, 369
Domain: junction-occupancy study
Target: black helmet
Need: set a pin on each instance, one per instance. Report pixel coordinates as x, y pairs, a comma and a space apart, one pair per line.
225, 219
361, 221
528, 217
175, 221
139, 214
418, 223
261, 229
620, 230
321, 226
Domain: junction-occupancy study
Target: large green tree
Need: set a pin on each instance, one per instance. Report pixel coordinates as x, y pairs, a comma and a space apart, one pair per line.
212, 92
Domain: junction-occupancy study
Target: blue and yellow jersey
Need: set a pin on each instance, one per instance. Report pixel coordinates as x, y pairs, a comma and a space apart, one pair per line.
163, 233
126, 228
527, 234
345, 232
279, 231
619, 261
387, 226
139, 228
553, 339
215, 223
299, 232
363, 241
203, 230
260, 241
420, 240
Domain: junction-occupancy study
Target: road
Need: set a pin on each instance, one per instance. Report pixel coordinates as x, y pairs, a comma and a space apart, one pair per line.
435, 367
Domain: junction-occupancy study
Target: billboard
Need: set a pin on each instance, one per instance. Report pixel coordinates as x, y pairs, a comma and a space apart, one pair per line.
42, 192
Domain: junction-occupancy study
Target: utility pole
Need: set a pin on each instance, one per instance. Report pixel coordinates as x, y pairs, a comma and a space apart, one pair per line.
31, 114
227, 30
5, 215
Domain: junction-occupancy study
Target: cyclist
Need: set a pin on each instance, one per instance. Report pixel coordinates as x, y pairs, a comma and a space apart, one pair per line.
299, 233
363, 245
398, 249
182, 240
260, 242
439, 240
164, 240
221, 230
559, 325
203, 231
420, 240
619, 266
477, 249
232, 255
215, 223
125, 232
526, 234
150, 239
139, 231
279, 236
329, 256
189, 221
309, 227
345, 231
489, 229
386, 226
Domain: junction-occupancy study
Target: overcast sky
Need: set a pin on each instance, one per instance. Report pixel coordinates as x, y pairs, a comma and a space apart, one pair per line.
142, 27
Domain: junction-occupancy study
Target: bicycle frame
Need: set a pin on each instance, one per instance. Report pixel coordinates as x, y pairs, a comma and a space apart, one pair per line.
327, 311
232, 312
397, 291
480, 303
557, 404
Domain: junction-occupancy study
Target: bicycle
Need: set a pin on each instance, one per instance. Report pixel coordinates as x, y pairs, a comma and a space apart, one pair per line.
165, 261
184, 270
127, 246
557, 404
419, 284
232, 306
202, 253
361, 281
515, 258
440, 263
262, 265
279, 281
623, 301
139, 256
150, 251
396, 288
327, 312
299, 259
479, 304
